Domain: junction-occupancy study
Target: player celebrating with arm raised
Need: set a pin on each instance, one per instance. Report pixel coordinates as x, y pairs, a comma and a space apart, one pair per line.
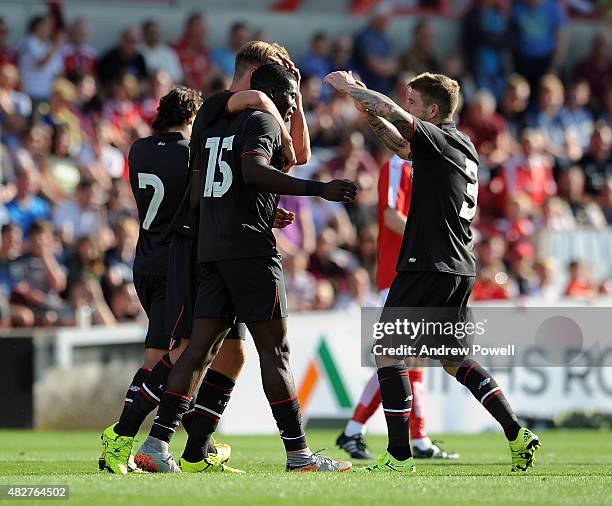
436, 266
239, 271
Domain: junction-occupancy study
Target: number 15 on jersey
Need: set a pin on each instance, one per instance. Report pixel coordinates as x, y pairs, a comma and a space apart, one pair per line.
214, 188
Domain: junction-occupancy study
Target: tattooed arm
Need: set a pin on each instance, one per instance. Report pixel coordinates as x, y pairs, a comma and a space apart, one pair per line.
389, 136
374, 103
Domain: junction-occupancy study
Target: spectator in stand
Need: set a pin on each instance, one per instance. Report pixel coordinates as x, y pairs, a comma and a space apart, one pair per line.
119, 260
597, 162
490, 250
124, 303
161, 82
85, 270
300, 285
374, 54
120, 203
487, 130
517, 225
557, 215
545, 272
352, 158
40, 58
539, 34
27, 207
491, 283
123, 111
572, 188
79, 56
317, 61
123, 59
514, 103
63, 110
193, 52
358, 292
579, 116
530, 173
596, 68
40, 278
551, 117
420, 57
223, 57
15, 106
300, 236
485, 39
98, 159
7, 53
342, 53
366, 250
605, 200
157, 54
521, 269
328, 261
11, 243
60, 166
82, 216
580, 284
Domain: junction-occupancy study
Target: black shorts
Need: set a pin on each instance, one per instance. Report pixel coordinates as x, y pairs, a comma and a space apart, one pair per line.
429, 289
181, 289
151, 291
243, 290
437, 298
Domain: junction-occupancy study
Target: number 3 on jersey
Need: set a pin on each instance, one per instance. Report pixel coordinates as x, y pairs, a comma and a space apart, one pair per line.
144, 180
214, 188
468, 209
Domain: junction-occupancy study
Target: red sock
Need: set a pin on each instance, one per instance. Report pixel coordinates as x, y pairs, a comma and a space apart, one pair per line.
417, 415
368, 402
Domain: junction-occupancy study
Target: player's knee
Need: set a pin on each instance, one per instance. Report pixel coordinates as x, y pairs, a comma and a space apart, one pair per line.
230, 359
275, 355
152, 356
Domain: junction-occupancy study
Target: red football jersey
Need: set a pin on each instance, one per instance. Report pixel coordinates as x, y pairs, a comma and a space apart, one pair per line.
394, 189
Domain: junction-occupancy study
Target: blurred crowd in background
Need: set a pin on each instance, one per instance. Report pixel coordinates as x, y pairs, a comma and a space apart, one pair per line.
69, 113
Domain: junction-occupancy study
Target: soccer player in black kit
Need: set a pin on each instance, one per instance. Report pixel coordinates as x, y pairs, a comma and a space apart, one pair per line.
159, 166
436, 265
239, 271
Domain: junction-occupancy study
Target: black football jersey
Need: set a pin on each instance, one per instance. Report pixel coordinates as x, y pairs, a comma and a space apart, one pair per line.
158, 169
443, 203
185, 220
236, 219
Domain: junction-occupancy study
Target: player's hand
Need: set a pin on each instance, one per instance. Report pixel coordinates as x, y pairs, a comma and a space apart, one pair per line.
339, 190
286, 62
340, 80
288, 154
283, 218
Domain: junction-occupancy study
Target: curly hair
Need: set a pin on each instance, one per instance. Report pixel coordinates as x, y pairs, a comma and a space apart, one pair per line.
177, 108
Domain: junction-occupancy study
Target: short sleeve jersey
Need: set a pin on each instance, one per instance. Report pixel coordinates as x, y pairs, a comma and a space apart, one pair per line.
235, 218
443, 201
158, 168
185, 220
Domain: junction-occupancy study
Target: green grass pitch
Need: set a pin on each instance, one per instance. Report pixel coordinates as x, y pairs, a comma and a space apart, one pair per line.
573, 468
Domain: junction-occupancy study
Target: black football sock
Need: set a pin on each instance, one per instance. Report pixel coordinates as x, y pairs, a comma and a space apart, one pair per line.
213, 396
288, 418
134, 388
171, 409
489, 394
396, 399
188, 417
146, 400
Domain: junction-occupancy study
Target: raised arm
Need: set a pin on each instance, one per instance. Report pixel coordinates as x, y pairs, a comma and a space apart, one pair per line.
255, 99
389, 136
373, 102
